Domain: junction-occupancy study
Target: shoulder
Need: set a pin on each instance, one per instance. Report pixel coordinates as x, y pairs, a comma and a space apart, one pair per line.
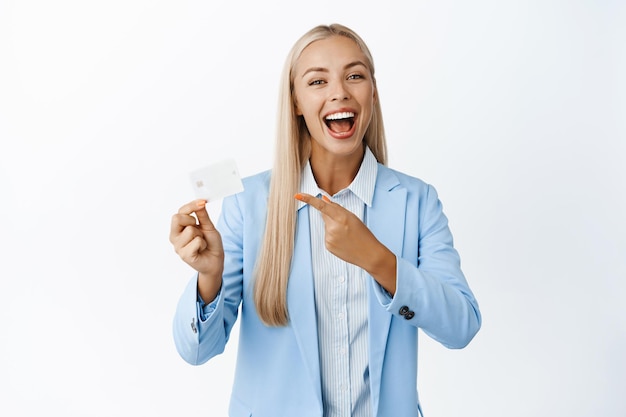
420, 194
251, 201
257, 182
255, 189
391, 178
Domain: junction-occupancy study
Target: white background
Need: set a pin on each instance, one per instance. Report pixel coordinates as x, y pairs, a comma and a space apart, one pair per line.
514, 110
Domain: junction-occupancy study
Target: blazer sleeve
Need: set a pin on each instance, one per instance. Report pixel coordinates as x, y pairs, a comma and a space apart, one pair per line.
199, 337
433, 293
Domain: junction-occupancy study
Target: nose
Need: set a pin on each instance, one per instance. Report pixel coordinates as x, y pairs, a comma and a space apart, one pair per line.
339, 93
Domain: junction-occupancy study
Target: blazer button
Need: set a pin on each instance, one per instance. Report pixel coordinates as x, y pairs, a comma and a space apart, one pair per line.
403, 310
193, 325
409, 315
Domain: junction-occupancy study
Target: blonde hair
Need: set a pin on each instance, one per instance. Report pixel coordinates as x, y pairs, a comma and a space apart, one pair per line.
292, 151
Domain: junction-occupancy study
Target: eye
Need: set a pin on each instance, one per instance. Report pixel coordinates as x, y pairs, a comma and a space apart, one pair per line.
316, 82
355, 76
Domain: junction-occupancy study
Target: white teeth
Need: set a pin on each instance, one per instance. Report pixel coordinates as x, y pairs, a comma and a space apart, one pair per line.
342, 115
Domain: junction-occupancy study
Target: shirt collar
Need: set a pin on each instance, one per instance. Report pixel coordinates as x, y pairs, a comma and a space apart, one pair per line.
362, 186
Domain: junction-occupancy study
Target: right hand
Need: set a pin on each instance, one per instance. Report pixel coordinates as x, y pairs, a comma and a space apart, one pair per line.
198, 243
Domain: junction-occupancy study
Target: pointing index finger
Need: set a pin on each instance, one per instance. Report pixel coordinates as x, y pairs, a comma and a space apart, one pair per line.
321, 204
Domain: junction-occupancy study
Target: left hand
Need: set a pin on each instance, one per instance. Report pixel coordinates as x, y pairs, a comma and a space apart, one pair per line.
349, 239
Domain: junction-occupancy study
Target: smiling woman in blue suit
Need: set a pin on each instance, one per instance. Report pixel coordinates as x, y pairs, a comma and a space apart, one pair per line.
335, 259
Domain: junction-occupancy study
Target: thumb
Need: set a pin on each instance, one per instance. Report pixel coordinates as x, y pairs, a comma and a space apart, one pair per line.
204, 221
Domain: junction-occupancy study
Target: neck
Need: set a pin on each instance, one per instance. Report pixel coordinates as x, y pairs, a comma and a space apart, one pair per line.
333, 173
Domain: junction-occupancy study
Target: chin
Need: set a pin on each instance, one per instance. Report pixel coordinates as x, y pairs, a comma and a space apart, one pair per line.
345, 147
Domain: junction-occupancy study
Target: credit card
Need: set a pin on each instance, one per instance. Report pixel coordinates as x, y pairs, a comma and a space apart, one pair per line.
217, 180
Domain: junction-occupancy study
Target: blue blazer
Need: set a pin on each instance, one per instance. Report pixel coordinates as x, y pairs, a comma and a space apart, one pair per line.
278, 372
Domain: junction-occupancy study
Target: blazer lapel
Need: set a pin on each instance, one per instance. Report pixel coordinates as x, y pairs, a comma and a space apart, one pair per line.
385, 218
301, 300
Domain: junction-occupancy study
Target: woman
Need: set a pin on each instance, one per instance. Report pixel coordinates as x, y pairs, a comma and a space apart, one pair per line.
334, 283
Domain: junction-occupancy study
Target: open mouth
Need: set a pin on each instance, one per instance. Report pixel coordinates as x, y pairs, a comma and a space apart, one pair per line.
340, 122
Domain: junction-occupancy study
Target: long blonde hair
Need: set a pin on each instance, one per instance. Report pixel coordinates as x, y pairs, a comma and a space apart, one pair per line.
292, 151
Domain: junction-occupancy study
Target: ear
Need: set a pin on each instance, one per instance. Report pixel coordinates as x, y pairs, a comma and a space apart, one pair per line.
375, 94
297, 108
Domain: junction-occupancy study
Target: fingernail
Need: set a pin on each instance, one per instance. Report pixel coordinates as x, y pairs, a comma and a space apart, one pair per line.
200, 204
299, 197
326, 199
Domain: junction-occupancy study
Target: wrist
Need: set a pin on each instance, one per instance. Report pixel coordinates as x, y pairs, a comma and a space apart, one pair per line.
209, 286
383, 268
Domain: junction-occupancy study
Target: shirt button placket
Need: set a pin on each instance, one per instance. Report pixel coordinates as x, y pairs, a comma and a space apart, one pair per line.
342, 342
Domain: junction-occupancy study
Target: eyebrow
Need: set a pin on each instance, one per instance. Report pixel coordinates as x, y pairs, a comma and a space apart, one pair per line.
322, 69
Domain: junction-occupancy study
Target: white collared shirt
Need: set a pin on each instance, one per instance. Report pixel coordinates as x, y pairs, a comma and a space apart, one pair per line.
341, 302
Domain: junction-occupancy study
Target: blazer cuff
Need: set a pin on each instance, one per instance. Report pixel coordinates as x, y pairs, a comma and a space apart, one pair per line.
206, 310
402, 303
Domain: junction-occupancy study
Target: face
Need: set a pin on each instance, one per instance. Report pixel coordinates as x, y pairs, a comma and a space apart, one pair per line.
334, 92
